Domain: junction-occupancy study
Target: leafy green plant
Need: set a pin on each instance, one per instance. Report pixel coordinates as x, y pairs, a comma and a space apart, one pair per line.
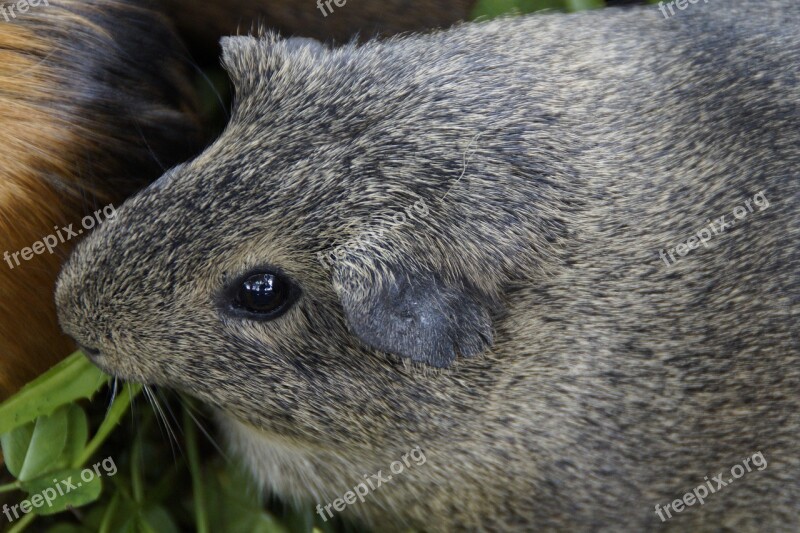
486, 9
51, 435
45, 438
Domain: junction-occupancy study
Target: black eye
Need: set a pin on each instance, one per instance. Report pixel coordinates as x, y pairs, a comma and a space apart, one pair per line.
266, 294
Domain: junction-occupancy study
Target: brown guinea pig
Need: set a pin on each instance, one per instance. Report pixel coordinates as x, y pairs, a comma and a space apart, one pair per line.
92, 110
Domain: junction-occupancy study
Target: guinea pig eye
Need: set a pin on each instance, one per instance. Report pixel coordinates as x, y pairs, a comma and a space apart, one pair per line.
265, 295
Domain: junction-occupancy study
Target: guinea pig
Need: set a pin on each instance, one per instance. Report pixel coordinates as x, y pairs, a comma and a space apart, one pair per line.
93, 110
454, 245
99, 100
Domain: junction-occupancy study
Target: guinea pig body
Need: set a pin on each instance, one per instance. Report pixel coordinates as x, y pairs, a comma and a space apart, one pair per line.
523, 329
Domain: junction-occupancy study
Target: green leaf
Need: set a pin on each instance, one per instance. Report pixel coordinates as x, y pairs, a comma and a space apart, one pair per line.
68, 528
92, 516
75, 377
233, 504
299, 518
77, 435
119, 407
580, 5
67, 491
33, 449
198, 483
117, 510
493, 8
157, 519
15, 447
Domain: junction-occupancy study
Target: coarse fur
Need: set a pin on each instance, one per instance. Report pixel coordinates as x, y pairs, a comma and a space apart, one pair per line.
98, 101
557, 156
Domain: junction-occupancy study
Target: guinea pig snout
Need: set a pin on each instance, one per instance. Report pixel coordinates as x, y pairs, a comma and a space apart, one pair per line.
90, 332
78, 314
93, 353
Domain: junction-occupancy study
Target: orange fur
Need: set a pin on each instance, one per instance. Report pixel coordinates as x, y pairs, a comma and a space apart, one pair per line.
34, 143
59, 161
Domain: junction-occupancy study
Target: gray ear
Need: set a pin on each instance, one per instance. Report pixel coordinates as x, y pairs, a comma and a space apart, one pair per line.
305, 45
245, 58
415, 315
238, 56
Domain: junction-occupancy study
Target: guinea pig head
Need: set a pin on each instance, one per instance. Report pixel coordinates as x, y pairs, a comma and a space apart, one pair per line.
302, 271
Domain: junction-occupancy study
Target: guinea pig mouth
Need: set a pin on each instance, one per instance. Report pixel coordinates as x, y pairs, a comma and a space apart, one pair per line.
92, 353
114, 366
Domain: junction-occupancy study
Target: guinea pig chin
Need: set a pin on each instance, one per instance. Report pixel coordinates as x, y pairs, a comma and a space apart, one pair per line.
92, 328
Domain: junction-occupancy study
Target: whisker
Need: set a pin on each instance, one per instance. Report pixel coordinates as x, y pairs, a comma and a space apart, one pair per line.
162, 418
149, 148
113, 393
189, 411
211, 86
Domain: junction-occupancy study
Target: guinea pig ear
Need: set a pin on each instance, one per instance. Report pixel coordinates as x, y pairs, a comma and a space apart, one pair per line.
238, 57
247, 58
416, 315
304, 45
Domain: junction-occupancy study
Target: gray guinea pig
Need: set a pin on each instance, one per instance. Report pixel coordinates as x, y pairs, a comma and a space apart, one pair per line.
556, 256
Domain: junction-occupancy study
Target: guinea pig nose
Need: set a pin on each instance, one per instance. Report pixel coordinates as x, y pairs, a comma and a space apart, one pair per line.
91, 352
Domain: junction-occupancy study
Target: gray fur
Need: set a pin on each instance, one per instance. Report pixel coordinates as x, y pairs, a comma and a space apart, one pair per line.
569, 150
